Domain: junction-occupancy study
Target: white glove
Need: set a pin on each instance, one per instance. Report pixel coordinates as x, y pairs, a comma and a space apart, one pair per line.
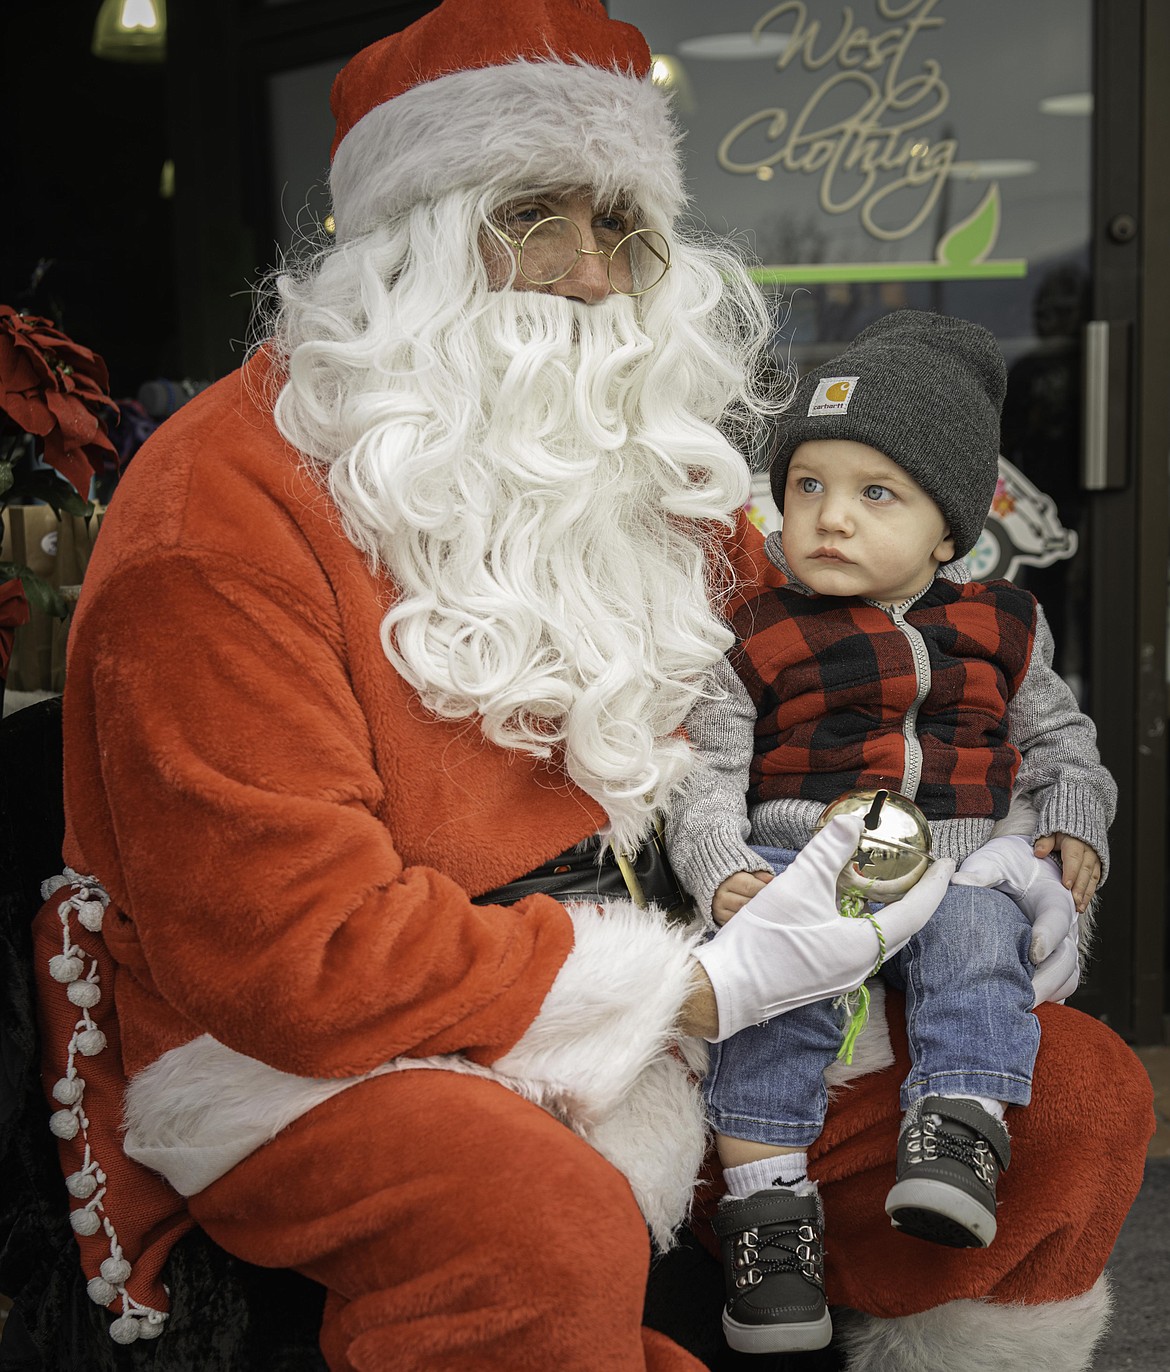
790, 945
1009, 865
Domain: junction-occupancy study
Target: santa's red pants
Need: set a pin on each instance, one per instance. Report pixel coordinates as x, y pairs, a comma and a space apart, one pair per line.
456, 1226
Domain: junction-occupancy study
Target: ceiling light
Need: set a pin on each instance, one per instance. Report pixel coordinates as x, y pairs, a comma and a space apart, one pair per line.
1080, 102
992, 169
131, 31
670, 75
731, 47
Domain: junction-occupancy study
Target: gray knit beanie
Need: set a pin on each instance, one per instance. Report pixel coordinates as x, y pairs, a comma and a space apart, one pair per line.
924, 389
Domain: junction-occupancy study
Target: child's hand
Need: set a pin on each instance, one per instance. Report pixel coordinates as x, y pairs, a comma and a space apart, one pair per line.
734, 893
1080, 866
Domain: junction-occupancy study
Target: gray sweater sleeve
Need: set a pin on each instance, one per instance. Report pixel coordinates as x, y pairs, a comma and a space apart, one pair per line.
707, 827
1061, 768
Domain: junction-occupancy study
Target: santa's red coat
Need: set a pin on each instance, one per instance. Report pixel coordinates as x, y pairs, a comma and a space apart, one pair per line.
290, 842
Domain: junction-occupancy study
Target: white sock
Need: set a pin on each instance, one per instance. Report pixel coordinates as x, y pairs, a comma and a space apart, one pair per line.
786, 1169
993, 1107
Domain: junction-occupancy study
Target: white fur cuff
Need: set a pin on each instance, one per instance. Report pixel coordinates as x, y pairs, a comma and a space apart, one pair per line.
612, 1010
611, 1013
979, 1336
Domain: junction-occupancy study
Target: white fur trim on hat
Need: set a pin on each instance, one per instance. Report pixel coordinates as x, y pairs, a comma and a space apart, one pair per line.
507, 128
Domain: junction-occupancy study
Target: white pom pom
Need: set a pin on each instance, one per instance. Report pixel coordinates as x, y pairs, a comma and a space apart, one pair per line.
90, 1042
115, 1270
90, 914
85, 1222
84, 994
64, 1124
69, 1090
100, 1291
152, 1326
82, 1185
63, 968
124, 1330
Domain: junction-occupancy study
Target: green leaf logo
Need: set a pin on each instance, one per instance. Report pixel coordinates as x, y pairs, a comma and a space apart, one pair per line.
970, 241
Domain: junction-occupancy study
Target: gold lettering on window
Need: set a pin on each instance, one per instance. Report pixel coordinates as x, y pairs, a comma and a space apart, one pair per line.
869, 148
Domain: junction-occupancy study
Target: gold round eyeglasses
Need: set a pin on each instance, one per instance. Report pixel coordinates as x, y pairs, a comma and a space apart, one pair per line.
634, 263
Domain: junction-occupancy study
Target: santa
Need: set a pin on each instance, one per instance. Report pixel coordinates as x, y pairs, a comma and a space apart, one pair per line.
390, 635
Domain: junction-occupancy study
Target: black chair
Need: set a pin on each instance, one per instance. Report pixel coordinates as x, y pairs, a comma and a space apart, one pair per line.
226, 1315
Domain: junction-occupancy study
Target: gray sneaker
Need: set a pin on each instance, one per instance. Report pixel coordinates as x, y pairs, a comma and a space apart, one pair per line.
773, 1266
950, 1155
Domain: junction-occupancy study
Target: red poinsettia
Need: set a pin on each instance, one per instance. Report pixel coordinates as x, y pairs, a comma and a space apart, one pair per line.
56, 390
14, 612
53, 403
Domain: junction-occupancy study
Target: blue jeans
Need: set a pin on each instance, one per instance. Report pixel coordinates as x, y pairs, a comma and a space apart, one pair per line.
969, 1021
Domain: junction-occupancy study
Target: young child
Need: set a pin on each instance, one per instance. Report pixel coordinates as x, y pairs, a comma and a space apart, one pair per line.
880, 663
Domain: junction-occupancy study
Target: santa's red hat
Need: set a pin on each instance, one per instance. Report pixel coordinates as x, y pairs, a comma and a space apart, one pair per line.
528, 94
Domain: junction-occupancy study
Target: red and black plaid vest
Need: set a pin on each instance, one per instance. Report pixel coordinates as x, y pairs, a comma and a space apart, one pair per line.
833, 681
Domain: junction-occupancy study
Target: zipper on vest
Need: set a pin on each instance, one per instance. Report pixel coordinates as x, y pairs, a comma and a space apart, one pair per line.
911, 747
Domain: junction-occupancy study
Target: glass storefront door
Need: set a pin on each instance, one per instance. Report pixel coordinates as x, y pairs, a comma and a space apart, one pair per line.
891, 155
945, 155
1002, 160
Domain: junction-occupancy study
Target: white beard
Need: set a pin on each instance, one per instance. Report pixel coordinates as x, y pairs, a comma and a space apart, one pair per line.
537, 483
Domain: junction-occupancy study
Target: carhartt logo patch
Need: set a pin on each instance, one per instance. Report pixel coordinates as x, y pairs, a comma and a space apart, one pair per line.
833, 395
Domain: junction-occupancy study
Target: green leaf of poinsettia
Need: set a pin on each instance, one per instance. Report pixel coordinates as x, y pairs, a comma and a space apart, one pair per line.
6, 477
40, 594
49, 487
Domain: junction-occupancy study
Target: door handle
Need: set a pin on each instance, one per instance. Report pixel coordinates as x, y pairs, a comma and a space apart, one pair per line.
1105, 405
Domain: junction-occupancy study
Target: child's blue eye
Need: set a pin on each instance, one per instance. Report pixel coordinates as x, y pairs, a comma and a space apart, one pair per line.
807, 485
878, 493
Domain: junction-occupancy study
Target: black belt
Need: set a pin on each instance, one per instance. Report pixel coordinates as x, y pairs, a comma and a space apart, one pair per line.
592, 871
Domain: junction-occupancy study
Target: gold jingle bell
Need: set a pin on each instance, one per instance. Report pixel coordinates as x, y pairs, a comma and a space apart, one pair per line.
893, 852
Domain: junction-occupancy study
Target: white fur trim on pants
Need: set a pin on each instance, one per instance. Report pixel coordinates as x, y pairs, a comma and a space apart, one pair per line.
600, 1056
978, 1336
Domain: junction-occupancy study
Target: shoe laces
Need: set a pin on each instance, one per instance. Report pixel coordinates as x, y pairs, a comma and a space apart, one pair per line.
794, 1248
930, 1139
